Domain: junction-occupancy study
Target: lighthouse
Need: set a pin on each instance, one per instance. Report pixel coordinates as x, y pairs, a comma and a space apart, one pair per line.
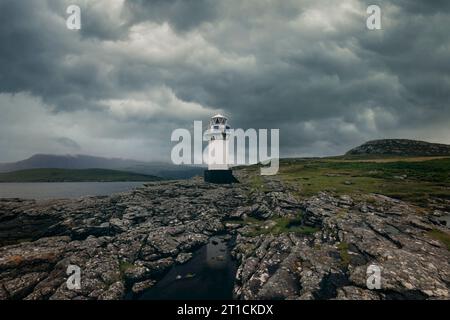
218, 137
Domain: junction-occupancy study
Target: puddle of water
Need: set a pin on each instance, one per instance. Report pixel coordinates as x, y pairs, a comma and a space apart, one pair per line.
209, 275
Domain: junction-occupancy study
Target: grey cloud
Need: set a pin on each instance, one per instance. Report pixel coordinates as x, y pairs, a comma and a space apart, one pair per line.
325, 80
181, 14
419, 7
68, 143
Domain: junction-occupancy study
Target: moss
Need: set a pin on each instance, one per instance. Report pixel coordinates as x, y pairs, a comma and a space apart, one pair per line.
341, 213
306, 230
234, 221
343, 252
440, 236
280, 226
371, 201
124, 266
257, 183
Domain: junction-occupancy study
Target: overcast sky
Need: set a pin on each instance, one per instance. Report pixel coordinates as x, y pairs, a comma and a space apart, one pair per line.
139, 69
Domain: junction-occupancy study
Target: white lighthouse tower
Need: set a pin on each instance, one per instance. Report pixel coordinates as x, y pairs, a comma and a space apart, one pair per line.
218, 143
218, 137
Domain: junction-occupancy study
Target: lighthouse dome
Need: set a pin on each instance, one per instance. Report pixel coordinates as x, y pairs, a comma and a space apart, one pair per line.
218, 119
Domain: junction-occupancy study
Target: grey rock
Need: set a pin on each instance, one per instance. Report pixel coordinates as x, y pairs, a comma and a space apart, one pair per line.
135, 273
183, 258
127, 242
142, 286
261, 212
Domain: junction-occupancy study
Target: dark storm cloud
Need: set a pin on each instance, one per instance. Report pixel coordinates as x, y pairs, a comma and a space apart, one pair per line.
181, 14
34, 46
419, 7
139, 69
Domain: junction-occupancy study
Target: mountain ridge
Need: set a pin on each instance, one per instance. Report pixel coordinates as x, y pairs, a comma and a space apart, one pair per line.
157, 168
401, 147
384, 147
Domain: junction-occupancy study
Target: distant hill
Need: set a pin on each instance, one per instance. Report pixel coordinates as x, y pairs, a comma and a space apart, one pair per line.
401, 147
160, 169
73, 175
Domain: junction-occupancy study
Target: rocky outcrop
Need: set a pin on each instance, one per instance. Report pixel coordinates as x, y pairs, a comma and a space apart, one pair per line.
318, 248
332, 263
401, 147
121, 243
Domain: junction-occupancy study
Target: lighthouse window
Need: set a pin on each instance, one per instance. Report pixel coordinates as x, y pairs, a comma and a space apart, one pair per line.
216, 127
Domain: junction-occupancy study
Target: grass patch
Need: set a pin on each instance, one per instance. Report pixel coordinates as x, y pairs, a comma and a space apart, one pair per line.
407, 179
440, 236
279, 226
305, 230
341, 213
257, 183
124, 266
343, 253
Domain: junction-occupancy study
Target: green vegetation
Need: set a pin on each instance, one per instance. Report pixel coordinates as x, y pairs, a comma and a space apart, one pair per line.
276, 226
257, 183
440, 236
124, 266
343, 252
409, 179
66, 175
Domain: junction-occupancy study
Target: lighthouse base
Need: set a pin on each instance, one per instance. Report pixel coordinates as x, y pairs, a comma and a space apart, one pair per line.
219, 176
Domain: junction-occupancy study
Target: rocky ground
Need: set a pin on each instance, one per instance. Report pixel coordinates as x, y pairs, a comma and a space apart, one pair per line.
318, 248
401, 147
